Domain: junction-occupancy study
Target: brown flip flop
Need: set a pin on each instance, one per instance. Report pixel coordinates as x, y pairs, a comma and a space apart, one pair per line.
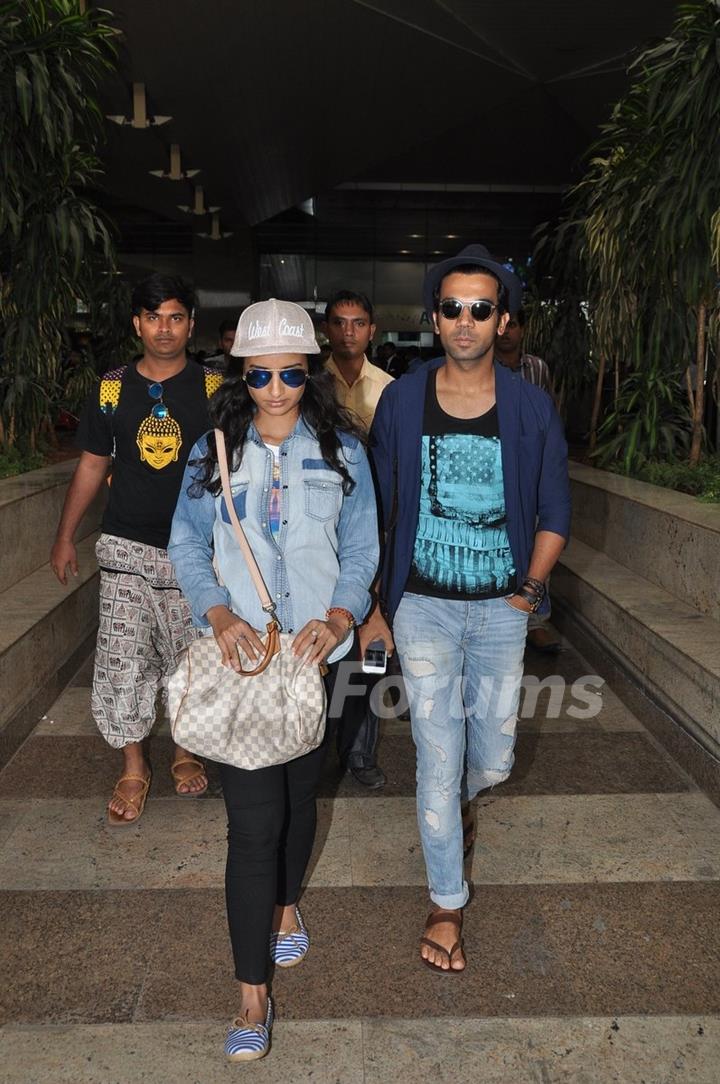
136, 802
432, 920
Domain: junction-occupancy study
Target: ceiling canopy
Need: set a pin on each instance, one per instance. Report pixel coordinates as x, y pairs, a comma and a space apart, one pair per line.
466, 113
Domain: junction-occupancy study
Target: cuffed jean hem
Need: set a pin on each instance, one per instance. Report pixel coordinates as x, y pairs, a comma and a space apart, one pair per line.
452, 903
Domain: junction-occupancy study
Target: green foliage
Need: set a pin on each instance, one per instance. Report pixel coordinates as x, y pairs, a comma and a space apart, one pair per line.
646, 222
649, 421
557, 326
113, 338
652, 192
15, 462
54, 244
701, 481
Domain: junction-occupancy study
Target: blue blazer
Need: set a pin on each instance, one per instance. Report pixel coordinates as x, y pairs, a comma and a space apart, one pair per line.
534, 459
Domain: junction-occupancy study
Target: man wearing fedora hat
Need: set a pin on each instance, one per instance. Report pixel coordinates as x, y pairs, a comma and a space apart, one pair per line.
471, 467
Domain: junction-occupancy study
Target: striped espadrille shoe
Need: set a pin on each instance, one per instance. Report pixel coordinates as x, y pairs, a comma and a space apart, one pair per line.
247, 1041
289, 947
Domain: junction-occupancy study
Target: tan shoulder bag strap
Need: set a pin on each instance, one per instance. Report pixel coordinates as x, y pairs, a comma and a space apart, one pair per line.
273, 643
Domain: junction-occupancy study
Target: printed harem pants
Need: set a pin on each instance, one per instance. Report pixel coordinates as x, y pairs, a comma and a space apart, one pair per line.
145, 624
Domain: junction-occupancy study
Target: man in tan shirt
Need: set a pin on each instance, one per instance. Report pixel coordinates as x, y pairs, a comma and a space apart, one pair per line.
349, 327
359, 384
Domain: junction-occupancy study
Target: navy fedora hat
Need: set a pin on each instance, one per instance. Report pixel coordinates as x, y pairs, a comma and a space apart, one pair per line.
478, 255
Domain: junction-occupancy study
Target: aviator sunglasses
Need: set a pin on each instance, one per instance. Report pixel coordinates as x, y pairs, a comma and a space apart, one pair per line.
159, 410
480, 310
260, 378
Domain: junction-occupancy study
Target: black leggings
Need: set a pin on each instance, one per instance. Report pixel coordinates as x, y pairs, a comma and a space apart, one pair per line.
271, 831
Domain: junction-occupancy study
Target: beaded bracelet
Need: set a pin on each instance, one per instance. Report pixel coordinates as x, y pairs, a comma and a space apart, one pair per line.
342, 613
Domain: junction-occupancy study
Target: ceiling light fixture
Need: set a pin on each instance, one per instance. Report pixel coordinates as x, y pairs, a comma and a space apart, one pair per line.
415, 236
198, 207
176, 173
140, 118
216, 234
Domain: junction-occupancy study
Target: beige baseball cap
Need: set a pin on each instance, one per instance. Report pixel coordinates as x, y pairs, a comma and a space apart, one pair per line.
274, 327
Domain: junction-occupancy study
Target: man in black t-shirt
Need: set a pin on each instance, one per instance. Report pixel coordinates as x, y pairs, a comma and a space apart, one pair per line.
471, 467
143, 418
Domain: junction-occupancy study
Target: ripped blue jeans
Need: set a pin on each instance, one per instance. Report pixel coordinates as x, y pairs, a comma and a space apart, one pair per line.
462, 663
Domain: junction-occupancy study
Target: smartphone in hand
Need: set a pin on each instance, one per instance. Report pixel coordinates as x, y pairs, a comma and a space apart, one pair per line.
375, 658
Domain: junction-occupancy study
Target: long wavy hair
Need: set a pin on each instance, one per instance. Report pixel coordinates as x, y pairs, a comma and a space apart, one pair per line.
232, 409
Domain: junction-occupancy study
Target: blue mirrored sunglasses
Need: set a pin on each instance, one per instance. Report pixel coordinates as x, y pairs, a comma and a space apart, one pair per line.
159, 410
260, 378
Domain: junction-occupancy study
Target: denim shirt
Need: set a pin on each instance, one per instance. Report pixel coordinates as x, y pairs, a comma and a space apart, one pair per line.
325, 554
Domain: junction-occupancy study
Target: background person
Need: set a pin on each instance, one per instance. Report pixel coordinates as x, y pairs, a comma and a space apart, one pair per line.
359, 384
143, 418
306, 501
509, 350
223, 359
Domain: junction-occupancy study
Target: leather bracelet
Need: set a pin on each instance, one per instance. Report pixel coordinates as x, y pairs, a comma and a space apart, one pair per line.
532, 600
537, 586
341, 612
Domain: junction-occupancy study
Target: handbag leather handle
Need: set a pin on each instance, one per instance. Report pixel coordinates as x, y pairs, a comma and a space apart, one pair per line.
272, 646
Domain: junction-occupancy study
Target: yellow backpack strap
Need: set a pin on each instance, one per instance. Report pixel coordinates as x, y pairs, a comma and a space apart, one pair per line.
110, 385
213, 380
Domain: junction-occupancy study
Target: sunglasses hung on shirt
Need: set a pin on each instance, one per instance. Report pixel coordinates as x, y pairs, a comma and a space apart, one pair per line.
260, 378
159, 410
480, 310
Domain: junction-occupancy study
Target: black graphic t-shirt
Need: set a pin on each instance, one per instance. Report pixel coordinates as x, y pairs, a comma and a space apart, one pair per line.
462, 550
149, 452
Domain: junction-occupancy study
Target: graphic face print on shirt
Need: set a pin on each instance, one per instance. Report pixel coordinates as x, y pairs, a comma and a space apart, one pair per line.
159, 441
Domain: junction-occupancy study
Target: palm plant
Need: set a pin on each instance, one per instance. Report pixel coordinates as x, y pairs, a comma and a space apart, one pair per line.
557, 324
54, 243
649, 212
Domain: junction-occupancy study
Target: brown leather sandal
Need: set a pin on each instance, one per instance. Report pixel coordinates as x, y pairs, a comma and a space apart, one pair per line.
136, 801
179, 780
432, 920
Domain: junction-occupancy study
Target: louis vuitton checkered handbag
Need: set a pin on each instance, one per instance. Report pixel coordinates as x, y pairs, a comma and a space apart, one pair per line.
252, 719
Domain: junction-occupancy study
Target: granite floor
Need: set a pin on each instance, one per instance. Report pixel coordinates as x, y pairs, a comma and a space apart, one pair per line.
592, 936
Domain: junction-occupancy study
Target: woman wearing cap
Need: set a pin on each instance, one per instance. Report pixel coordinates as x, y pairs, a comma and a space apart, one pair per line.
303, 492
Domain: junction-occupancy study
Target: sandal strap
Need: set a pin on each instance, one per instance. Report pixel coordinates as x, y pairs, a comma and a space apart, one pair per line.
184, 780
441, 948
188, 760
436, 917
133, 800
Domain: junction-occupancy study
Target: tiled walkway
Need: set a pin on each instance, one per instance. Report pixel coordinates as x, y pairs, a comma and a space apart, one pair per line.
593, 935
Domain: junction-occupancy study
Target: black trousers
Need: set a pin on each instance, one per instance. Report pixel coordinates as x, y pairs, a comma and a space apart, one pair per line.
356, 727
271, 830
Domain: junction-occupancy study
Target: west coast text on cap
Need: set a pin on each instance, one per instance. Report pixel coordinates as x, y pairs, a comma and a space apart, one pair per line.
274, 327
